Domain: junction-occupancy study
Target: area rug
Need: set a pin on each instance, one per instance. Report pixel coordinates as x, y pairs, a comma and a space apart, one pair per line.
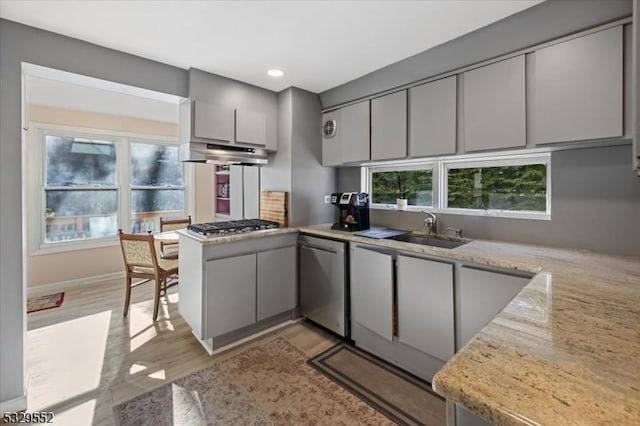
401, 396
35, 304
267, 384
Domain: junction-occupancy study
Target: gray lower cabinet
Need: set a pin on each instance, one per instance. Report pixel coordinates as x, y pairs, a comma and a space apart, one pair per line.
466, 418
355, 127
231, 294
425, 306
331, 143
276, 282
578, 88
481, 295
251, 127
372, 290
389, 126
212, 122
432, 118
494, 106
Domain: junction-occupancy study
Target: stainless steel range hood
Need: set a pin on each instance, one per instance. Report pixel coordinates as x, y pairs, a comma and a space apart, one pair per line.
207, 135
202, 152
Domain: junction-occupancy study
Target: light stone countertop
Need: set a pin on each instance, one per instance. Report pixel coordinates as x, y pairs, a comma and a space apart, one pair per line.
235, 237
566, 350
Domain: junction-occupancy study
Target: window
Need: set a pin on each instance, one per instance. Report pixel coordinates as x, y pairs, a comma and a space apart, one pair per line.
80, 189
506, 186
89, 186
516, 185
157, 187
412, 183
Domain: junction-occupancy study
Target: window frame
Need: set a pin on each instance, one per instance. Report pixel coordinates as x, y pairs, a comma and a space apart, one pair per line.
35, 157
503, 161
440, 167
400, 167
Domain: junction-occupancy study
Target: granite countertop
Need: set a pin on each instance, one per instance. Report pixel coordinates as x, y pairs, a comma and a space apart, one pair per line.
235, 237
566, 350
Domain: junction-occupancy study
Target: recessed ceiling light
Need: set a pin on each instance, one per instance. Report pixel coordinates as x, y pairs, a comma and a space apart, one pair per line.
275, 73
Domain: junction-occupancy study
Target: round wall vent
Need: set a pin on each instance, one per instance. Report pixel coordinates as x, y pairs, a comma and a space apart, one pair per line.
329, 128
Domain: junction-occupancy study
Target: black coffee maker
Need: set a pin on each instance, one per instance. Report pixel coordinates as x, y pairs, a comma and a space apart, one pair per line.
354, 210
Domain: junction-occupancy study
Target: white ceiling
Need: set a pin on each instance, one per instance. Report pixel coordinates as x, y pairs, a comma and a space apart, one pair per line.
318, 44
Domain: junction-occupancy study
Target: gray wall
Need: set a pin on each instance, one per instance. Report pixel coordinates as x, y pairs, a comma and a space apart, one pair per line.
546, 21
276, 176
296, 167
595, 205
309, 180
20, 43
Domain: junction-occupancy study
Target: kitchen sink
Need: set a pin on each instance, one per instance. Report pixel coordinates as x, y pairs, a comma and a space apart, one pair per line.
431, 240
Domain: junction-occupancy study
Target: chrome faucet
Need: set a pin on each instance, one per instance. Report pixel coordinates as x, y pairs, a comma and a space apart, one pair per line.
431, 223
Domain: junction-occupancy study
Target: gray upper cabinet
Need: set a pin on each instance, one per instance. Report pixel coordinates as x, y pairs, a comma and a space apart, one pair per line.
578, 89
276, 282
371, 275
425, 306
231, 294
389, 126
251, 127
355, 127
432, 118
494, 106
212, 122
331, 144
482, 294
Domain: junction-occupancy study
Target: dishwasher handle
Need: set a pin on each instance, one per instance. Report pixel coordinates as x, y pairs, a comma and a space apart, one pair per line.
308, 247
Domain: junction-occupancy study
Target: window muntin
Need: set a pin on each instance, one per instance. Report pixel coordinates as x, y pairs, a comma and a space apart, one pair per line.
157, 187
414, 185
505, 188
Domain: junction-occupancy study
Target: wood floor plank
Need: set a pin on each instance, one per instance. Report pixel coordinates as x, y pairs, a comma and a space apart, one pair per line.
84, 357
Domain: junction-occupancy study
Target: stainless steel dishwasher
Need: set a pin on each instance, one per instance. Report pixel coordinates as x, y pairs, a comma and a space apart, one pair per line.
323, 289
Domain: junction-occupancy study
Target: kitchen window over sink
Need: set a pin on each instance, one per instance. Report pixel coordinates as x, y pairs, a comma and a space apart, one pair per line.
83, 187
514, 185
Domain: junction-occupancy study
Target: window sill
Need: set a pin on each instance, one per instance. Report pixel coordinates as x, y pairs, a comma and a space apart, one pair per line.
68, 246
468, 212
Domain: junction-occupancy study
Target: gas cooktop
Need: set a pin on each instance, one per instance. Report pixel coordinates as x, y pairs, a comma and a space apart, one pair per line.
231, 227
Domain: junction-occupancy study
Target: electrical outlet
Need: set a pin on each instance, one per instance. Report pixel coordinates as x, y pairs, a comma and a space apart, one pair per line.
327, 199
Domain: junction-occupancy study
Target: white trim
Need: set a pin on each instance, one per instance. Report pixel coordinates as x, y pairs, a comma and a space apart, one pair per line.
17, 404
122, 142
71, 284
440, 166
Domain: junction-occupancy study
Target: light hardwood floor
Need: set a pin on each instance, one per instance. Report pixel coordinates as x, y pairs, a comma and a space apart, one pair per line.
84, 357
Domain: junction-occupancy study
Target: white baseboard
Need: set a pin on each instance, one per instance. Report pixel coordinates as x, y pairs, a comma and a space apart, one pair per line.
16, 404
70, 284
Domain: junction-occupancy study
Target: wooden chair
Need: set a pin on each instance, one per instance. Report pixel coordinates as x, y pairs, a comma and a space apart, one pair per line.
169, 250
141, 261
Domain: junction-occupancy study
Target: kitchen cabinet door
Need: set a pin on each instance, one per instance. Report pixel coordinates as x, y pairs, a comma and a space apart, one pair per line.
372, 290
356, 136
389, 126
482, 294
212, 122
276, 282
578, 89
251, 127
331, 144
251, 192
432, 118
425, 306
231, 294
494, 106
